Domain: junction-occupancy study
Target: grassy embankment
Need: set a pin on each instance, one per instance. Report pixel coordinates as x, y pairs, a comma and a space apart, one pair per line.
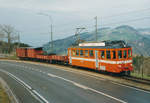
141, 67
9, 56
3, 96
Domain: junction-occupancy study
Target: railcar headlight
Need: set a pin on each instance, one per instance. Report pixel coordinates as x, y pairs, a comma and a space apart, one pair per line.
130, 64
119, 65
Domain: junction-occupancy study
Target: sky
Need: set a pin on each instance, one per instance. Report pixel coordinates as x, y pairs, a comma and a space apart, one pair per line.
67, 15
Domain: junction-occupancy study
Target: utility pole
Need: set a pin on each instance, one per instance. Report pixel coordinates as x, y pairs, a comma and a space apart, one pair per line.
9, 42
18, 40
96, 29
51, 45
77, 33
51, 37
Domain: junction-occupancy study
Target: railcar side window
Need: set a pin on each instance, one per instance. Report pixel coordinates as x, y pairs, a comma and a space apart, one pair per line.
77, 52
86, 53
125, 53
108, 54
81, 52
120, 54
73, 52
129, 53
102, 54
114, 54
91, 53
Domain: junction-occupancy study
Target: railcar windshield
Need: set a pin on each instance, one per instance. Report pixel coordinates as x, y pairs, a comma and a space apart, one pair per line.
125, 54
129, 53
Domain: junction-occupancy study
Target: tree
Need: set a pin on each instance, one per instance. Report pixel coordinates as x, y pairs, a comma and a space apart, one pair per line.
8, 32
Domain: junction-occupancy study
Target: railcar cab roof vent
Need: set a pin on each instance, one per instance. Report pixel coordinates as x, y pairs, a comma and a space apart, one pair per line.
119, 43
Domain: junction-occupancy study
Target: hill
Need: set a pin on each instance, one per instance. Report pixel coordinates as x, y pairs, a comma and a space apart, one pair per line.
134, 37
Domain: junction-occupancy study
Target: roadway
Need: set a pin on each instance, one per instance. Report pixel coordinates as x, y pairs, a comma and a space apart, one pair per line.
33, 83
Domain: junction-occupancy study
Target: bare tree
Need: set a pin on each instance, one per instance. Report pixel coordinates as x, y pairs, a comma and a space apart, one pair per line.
8, 33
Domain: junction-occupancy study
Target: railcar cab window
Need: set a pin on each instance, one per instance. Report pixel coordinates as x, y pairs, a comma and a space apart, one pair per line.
108, 54
77, 52
125, 53
102, 54
129, 53
120, 54
114, 54
73, 52
86, 53
91, 54
81, 52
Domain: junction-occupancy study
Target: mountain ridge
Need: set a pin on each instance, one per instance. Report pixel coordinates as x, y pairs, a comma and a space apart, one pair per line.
134, 37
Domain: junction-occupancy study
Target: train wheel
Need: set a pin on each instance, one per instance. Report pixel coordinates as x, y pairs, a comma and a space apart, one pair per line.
125, 73
128, 73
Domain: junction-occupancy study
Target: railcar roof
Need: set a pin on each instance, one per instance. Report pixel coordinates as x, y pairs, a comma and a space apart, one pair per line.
36, 48
101, 47
107, 45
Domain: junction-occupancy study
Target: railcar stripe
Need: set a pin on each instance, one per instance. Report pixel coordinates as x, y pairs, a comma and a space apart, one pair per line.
104, 61
83, 59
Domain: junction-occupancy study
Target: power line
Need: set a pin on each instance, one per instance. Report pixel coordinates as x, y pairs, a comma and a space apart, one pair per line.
122, 14
115, 15
126, 21
130, 12
108, 24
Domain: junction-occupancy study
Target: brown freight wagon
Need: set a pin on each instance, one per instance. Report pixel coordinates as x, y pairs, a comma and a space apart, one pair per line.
21, 52
33, 52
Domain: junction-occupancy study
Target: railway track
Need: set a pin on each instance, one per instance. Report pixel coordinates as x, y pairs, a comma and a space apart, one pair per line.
136, 79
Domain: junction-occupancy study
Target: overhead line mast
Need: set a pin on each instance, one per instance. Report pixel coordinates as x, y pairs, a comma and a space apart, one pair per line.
51, 26
18, 40
77, 33
51, 38
96, 39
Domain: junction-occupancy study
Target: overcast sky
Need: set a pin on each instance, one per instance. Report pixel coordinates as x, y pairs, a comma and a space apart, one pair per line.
69, 14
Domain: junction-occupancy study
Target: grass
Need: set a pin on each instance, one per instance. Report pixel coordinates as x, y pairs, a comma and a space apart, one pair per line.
140, 75
12, 57
3, 96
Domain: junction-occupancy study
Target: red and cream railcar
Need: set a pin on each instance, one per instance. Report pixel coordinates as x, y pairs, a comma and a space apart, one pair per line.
113, 57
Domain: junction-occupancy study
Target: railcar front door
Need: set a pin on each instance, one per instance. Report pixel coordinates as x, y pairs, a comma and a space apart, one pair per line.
70, 59
96, 59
